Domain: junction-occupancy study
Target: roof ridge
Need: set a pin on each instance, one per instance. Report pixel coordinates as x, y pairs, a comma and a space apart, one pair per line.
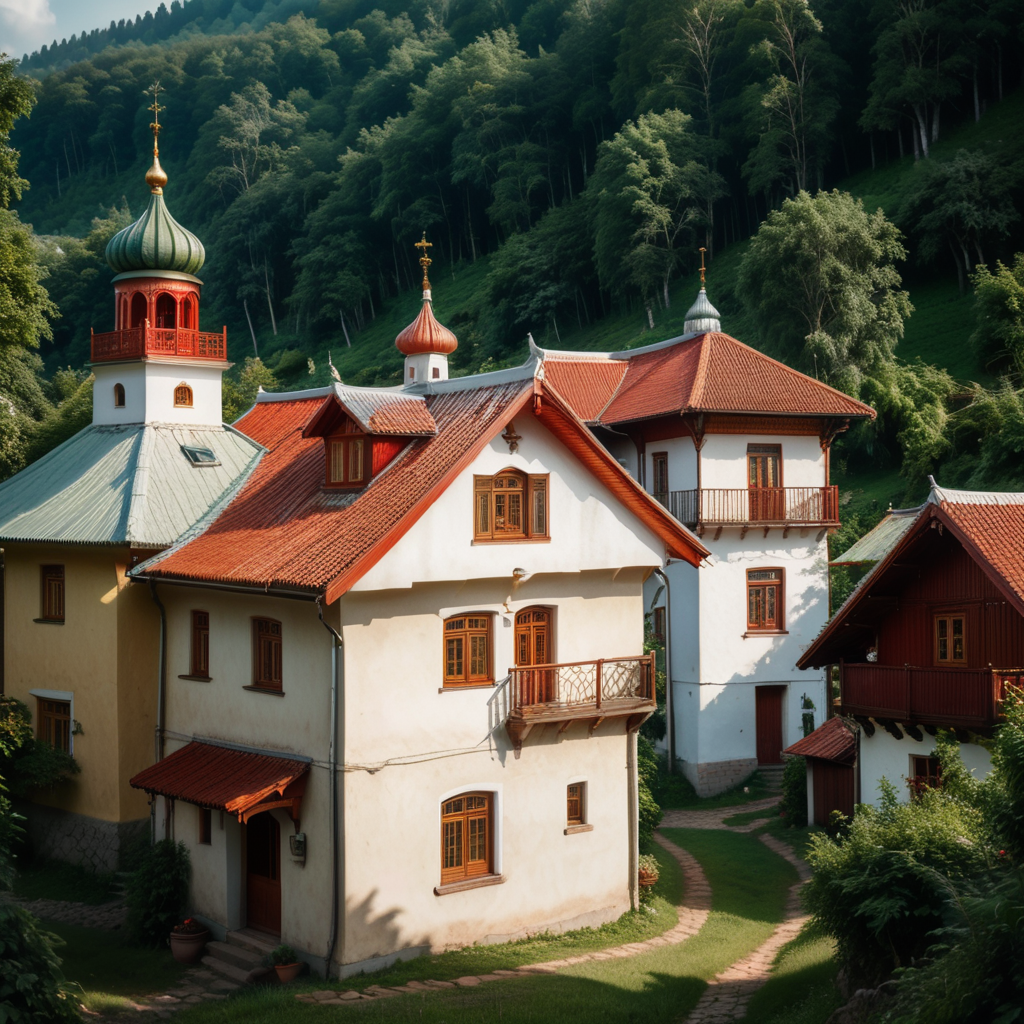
701, 373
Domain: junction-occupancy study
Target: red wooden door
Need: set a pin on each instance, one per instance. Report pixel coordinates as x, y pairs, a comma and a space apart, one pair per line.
768, 719
263, 873
764, 479
833, 789
533, 647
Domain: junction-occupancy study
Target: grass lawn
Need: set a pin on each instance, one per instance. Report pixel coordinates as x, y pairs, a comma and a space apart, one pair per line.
749, 886
746, 817
802, 988
674, 792
52, 880
110, 969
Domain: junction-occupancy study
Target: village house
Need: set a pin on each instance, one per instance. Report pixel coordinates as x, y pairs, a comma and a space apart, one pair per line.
405, 670
736, 445
79, 643
928, 640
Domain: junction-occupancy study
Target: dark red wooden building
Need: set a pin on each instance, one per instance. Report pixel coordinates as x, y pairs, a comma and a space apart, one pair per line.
831, 753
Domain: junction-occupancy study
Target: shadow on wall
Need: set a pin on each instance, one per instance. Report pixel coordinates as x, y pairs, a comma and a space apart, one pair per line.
378, 932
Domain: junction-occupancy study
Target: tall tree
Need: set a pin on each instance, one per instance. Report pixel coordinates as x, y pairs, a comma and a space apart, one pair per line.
16, 101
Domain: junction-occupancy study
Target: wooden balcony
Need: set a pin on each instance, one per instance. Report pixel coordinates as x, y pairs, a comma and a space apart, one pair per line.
581, 691
965, 698
754, 506
139, 342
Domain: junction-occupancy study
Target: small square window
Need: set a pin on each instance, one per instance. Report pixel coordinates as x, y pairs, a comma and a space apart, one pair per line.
205, 826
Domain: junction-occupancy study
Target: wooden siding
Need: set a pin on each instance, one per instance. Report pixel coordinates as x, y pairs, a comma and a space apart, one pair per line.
950, 579
833, 789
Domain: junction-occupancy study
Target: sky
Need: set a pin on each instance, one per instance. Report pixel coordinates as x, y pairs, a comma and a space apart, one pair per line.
25, 25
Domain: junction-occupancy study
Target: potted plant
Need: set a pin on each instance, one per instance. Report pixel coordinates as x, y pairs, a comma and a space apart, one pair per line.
648, 870
188, 940
286, 963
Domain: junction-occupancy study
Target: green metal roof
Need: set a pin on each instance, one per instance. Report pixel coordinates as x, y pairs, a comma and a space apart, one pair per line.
878, 542
129, 484
156, 241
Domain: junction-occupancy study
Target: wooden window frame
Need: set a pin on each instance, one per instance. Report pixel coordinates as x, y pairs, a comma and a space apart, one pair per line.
459, 674
52, 723
535, 508
199, 648
659, 625
52, 600
119, 397
205, 826
183, 396
467, 871
764, 449
347, 480
576, 803
767, 627
949, 617
659, 464
260, 679
919, 782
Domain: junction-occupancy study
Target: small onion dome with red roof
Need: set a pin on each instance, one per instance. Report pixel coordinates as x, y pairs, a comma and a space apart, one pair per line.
425, 343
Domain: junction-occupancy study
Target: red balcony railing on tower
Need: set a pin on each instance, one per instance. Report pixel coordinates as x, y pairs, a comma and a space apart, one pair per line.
754, 506
138, 342
957, 697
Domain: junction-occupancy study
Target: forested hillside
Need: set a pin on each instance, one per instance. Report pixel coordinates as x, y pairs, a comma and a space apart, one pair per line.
567, 158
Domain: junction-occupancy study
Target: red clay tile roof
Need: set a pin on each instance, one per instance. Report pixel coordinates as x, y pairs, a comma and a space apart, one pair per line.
833, 741
284, 531
586, 384
709, 373
229, 780
997, 532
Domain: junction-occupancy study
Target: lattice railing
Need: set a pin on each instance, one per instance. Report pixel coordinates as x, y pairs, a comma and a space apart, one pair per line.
582, 683
137, 342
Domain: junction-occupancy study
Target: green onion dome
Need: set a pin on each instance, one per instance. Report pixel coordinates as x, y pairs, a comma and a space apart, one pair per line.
156, 241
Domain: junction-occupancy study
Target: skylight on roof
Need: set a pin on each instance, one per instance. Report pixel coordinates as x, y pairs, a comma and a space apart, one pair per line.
200, 456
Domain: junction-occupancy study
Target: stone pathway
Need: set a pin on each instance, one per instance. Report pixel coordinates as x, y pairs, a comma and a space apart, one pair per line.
715, 819
693, 912
727, 995
197, 985
106, 916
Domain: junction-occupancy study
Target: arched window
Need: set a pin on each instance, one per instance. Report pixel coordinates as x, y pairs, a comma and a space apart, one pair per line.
118, 396
467, 844
510, 505
183, 396
140, 310
166, 311
188, 313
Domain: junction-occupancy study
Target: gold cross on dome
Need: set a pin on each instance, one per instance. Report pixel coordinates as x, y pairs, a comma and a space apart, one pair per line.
154, 90
423, 245
702, 251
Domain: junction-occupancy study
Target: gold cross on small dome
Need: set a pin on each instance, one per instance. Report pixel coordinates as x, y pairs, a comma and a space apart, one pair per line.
423, 245
702, 251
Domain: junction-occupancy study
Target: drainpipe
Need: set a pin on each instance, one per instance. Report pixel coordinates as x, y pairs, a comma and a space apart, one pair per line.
161, 686
337, 677
633, 802
669, 703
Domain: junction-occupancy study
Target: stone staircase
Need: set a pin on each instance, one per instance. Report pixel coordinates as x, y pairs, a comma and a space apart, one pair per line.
237, 958
772, 776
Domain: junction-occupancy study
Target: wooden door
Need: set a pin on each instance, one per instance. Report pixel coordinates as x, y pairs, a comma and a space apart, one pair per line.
768, 720
533, 647
764, 479
833, 789
263, 873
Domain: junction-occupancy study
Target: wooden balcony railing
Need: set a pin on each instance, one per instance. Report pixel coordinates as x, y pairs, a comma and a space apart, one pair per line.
589, 690
956, 697
754, 506
158, 341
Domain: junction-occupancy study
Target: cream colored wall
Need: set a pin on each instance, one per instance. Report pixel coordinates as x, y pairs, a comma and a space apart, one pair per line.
99, 655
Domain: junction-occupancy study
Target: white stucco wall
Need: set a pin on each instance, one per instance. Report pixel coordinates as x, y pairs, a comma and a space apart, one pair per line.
682, 462
724, 459
149, 392
883, 756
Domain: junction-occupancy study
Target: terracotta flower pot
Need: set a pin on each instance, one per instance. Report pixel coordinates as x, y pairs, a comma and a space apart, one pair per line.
188, 947
647, 878
288, 972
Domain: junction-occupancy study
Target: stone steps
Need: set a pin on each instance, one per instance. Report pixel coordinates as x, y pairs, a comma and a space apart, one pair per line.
771, 774
240, 958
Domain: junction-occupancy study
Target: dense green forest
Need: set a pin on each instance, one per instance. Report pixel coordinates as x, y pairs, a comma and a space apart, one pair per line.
567, 158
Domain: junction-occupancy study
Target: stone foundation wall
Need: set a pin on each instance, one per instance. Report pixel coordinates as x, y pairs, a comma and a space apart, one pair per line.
76, 839
713, 777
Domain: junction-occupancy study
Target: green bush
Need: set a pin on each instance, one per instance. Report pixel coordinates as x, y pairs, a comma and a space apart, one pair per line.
647, 772
793, 807
157, 892
882, 886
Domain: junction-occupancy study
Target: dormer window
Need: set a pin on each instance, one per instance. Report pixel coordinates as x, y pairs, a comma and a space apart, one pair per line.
346, 461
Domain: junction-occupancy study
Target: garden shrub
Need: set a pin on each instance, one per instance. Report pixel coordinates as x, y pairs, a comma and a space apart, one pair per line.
647, 772
793, 806
157, 892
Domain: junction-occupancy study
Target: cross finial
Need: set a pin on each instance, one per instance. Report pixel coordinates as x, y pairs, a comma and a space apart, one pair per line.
702, 251
423, 245
154, 90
